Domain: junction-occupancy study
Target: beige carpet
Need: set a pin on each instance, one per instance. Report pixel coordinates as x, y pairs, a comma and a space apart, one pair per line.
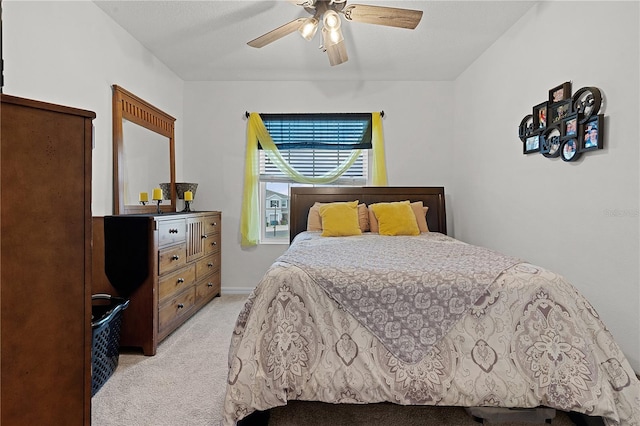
184, 385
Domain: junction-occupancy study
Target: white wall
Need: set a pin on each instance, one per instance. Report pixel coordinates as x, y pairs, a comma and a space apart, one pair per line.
70, 53
547, 211
417, 128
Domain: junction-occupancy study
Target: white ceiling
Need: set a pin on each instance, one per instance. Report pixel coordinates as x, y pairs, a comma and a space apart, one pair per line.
206, 40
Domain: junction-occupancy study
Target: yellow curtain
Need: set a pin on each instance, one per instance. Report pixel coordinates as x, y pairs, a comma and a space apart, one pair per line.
258, 133
379, 177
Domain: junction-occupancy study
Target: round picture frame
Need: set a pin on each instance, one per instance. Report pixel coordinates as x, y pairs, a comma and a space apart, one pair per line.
569, 150
550, 142
526, 127
554, 149
587, 102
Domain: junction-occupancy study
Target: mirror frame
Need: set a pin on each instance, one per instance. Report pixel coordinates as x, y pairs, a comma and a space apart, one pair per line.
128, 106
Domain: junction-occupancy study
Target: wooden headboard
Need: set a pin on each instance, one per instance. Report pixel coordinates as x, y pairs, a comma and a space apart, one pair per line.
302, 198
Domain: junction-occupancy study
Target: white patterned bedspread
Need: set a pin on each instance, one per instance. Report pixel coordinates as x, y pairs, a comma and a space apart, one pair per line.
530, 339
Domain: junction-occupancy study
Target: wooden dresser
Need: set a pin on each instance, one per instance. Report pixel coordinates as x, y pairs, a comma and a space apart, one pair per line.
168, 265
45, 263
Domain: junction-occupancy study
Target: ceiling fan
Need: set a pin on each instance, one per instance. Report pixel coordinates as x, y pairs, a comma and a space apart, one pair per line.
327, 12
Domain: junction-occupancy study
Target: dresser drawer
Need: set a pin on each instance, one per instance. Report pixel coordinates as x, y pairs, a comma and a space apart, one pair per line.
175, 282
176, 308
171, 232
208, 288
212, 224
207, 266
212, 244
172, 258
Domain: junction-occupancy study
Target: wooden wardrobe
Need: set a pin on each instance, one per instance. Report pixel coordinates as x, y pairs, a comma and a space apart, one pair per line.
45, 264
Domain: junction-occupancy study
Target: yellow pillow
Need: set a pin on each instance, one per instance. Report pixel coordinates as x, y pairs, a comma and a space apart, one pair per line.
314, 222
395, 218
419, 210
340, 219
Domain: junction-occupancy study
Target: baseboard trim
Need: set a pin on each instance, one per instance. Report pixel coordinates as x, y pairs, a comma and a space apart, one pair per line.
236, 290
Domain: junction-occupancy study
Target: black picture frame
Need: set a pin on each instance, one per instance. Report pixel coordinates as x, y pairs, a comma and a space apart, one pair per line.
592, 134
569, 150
560, 93
550, 141
586, 102
540, 116
565, 125
569, 126
558, 111
531, 144
554, 148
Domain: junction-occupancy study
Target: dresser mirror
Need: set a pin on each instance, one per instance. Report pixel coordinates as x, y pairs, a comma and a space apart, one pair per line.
143, 154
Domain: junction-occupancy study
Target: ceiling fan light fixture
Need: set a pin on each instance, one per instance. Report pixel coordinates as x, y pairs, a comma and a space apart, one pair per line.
308, 29
331, 20
336, 36
331, 37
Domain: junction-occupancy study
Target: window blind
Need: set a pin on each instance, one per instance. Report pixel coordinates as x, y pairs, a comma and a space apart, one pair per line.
314, 163
326, 131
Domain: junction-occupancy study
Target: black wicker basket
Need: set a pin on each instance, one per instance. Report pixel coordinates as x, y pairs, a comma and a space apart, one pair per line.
106, 319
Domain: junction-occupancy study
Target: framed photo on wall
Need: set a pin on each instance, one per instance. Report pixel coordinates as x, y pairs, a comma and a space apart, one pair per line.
559, 111
570, 126
569, 150
540, 116
560, 93
592, 134
531, 144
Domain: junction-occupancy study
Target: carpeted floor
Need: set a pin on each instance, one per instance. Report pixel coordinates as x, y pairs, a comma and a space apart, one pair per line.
184, 385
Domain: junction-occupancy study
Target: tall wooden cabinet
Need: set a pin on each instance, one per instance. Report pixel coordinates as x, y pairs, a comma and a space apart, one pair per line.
168, 265
45, 264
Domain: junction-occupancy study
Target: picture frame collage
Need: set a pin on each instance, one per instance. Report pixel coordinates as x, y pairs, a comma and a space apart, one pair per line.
564, 126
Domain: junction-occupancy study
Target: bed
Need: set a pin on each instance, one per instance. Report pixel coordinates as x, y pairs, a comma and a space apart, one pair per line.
418, 320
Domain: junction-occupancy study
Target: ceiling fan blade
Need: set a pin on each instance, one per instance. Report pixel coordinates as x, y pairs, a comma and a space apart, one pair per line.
337, 53
276, 34
382, 15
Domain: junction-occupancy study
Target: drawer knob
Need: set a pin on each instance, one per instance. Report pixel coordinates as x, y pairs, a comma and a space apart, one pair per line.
210, 264
175, 257
214, 243
209, 284
204, 236
173, 231
214, 224
180, 306
180, 280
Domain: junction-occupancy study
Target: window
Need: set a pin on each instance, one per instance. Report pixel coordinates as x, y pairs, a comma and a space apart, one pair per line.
313, 144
